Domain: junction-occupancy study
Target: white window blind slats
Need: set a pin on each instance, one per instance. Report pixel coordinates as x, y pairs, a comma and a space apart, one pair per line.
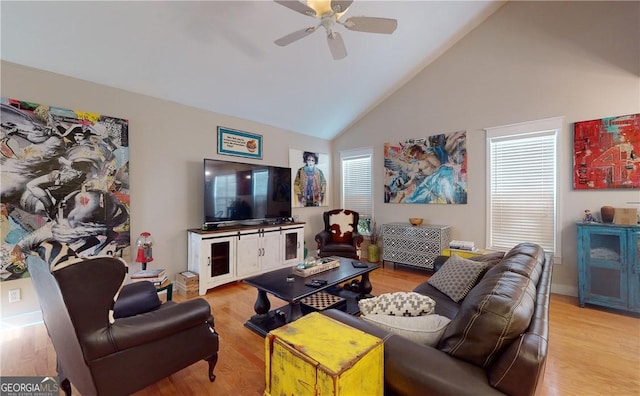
523, 190
356, 188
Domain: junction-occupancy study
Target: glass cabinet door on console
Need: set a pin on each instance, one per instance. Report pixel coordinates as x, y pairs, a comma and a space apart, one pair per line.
608, 269
293, 246
213, 258
220, 256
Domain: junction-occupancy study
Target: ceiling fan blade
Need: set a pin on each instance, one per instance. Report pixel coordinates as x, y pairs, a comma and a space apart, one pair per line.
371, 24
297, 7
336, 45
295, 36
340, 6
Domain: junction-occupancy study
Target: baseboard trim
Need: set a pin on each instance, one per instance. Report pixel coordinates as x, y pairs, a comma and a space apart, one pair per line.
21, 320
566, 290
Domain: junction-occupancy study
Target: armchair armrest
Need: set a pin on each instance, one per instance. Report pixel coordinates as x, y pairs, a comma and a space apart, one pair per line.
140, 329
356, 239
322, 238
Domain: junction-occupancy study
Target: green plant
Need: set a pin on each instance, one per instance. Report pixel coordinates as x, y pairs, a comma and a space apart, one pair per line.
374, 233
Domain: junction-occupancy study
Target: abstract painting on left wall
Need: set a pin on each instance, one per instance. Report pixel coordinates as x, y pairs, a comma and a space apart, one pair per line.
64, 176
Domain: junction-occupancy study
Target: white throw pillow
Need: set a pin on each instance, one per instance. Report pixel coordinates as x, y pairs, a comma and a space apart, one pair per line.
425, 330
457, 277
398, 304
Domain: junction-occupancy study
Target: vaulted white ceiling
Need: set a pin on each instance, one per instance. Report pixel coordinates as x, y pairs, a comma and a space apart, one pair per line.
220, 56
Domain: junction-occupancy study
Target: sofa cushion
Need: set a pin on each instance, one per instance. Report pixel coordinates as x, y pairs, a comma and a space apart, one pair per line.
425, 330
444, 305
491, 259
494, 313
457, 276
397, 304
525, 259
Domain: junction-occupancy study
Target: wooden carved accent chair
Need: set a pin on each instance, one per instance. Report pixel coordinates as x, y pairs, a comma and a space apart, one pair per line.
340, 236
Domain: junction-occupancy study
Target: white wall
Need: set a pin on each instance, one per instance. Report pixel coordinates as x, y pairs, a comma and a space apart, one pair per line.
167, 144
528, 61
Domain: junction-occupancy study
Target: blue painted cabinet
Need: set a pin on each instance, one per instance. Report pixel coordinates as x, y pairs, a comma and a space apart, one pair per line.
609, 266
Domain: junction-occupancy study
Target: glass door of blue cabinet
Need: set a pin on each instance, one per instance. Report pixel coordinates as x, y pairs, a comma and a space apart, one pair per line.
603, 278
634, 276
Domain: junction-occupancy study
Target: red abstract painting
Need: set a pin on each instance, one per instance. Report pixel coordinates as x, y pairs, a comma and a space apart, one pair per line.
606, 153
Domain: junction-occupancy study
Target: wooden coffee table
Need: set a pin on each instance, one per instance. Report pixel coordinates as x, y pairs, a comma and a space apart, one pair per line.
275, 283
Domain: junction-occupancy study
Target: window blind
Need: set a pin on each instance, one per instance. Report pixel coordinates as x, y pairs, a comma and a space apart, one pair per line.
357, 182
522, 201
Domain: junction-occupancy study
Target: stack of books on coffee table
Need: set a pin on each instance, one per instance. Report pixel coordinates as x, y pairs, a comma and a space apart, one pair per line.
155, 276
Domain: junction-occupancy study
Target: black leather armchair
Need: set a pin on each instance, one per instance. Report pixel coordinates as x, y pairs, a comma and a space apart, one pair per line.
340, 236
106, 353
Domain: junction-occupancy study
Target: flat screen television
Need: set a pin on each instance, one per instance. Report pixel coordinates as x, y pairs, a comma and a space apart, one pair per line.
235, 192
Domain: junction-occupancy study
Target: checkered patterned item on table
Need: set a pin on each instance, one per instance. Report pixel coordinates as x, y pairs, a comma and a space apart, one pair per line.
321, 300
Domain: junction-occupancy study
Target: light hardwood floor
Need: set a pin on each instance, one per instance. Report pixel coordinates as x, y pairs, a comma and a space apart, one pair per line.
591, 352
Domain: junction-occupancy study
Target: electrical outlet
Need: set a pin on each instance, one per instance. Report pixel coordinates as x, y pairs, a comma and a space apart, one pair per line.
14, 295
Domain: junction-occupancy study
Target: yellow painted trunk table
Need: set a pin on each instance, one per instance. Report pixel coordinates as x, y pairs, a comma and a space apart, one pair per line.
317, 355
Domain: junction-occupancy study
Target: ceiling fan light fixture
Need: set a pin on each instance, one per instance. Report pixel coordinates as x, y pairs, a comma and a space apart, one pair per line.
324, 8
328, 24
328, 12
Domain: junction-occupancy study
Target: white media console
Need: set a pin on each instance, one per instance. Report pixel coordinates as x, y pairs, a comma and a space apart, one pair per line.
232, 253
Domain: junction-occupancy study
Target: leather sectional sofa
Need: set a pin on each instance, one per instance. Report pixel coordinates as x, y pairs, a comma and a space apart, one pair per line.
496, 342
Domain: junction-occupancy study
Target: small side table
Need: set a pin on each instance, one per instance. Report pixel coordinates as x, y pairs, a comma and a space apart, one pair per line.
317, 355
168, 286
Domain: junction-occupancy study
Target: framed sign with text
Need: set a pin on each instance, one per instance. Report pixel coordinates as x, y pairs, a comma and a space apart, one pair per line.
242, 144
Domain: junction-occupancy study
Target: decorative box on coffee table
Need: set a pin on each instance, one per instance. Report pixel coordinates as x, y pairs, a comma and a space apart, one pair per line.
317, 355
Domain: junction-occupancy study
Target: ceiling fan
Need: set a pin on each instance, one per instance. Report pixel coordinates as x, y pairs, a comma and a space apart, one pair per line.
328, 13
